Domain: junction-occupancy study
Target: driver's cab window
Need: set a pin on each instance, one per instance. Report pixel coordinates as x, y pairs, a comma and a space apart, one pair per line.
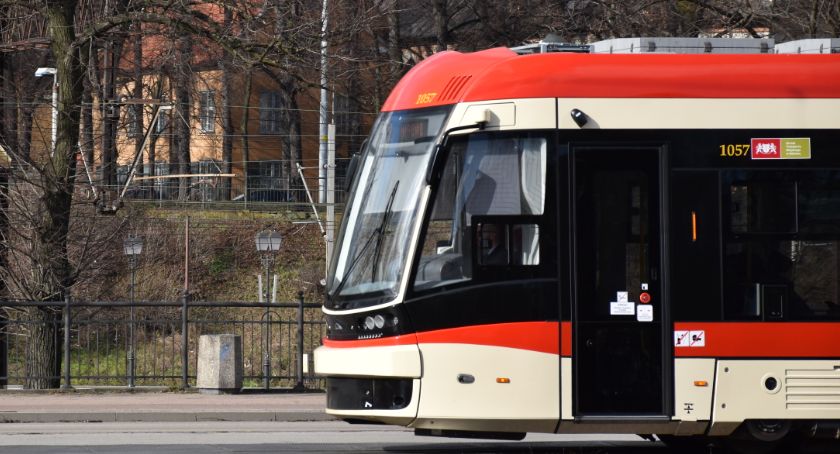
495, 175
507, 241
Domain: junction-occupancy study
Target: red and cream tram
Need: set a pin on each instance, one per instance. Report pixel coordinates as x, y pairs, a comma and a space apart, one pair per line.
571, 242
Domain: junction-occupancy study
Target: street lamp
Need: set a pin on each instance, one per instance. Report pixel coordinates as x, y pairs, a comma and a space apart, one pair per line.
41, 72
132, 246
268, 243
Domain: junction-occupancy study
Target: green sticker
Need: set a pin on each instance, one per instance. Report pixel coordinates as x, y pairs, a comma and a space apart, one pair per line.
797, 148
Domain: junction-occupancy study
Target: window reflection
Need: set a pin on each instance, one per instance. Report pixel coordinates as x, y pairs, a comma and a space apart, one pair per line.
781, 249
485, 175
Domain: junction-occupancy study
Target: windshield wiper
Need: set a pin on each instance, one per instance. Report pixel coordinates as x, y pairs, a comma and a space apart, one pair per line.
377, 234
386, 219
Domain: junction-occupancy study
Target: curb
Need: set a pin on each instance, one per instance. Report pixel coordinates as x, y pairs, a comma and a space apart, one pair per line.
151, 390
152, 416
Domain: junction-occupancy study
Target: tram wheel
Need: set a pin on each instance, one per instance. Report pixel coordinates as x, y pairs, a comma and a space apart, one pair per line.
763, 437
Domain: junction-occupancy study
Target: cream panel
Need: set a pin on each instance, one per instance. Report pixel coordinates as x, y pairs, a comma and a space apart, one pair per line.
805, 390
693, 402
669, 113
390, 361
532, 394
495, 115
537, 113
400, 417
566, 388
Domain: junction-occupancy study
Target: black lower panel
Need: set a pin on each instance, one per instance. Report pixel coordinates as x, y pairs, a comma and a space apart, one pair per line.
618, 368
368, 393
486, 304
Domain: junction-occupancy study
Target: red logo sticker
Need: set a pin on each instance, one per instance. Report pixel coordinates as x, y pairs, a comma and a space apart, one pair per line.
644, 297
766, 148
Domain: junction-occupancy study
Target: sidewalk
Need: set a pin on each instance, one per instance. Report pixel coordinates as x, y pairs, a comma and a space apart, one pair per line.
151, 406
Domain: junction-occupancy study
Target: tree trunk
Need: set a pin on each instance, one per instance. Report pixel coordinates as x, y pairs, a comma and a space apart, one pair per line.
86, 142
182, 130
41, 368
50, 270
4, 263
138, 94
25, 143
8, 133
109, 112
441, 18
243, 126
158, 95
290, 132
227, 115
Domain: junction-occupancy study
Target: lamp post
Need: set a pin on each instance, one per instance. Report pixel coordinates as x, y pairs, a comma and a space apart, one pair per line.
132, 246
268, 243
41, 72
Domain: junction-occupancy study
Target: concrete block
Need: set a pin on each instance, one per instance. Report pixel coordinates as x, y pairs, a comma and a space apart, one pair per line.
219, 364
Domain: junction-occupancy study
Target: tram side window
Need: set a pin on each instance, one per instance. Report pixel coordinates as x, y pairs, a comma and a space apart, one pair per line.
485, 174
695, 240
782, 245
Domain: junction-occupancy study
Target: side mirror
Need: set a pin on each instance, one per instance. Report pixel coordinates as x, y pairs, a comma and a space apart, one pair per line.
352, 168
438, 155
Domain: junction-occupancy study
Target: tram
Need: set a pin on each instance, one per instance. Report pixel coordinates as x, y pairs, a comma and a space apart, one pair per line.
565, 242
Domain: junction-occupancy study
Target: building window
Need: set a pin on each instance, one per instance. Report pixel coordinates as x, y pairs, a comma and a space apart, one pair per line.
264, 175
131, 120
342, 115
207, 111
270, 112
162, 122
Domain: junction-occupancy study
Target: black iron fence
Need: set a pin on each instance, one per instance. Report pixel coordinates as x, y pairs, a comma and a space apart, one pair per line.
156, 343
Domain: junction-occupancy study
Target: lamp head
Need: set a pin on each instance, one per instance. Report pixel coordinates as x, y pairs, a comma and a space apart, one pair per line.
41, 72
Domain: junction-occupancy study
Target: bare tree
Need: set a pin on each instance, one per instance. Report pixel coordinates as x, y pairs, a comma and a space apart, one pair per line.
44, 264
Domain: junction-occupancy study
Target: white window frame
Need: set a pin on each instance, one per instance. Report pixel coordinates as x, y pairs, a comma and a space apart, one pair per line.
207, 111
270, 105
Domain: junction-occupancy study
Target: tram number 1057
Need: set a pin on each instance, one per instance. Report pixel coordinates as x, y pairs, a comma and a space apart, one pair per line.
734, 151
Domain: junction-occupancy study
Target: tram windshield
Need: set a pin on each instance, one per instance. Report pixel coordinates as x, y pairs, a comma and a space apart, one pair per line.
368, 264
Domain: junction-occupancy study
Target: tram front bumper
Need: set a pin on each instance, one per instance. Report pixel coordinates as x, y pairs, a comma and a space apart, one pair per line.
377, 383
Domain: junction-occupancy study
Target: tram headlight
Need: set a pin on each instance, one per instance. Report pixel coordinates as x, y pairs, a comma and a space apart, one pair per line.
379, 321
370, 323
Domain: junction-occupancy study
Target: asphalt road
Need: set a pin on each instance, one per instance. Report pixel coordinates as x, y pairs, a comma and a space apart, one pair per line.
216, 437
303, 437
155, 422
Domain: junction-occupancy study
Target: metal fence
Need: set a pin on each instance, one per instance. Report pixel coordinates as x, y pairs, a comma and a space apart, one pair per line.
273, 181
156, 343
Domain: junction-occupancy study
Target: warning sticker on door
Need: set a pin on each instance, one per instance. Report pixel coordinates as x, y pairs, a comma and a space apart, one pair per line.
690, 338
621, 297
622, 308
644, 313
698, 338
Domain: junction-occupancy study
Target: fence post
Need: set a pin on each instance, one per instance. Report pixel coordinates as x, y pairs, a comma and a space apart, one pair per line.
185, 340
67, 385
267, 346
299, 385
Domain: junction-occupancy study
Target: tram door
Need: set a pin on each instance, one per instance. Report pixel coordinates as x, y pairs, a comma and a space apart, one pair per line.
619, 361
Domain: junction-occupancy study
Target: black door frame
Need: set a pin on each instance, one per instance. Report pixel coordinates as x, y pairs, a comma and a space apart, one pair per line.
662, 201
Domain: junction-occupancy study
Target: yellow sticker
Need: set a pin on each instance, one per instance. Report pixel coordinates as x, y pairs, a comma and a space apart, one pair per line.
425, 98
